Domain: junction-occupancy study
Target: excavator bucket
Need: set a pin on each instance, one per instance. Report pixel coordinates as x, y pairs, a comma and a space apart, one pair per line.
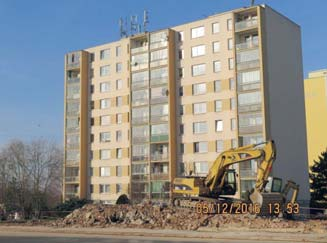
256, 198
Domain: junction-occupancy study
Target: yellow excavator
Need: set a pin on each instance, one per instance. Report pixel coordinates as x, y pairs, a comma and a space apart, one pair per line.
219, 186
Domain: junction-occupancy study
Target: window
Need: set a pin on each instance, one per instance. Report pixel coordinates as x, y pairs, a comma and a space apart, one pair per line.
181, 36
118, 51
91, 88
216, 46
232, 103
104, 103
119, 84
199, 69
104, 188
230, 44
92, 138
119, 101
91, 73
181, 91
197, 32
234, 143
229, 24
104, 87
232, 84
105, 120
104, 171
199, 89
199, 108
249, 98
119, 188
104, 137
182, 110
216, 66
181, 129
119, 118
201, 168
218, 105
217, 86
233, 124
91, 188
181, 72
219, 146
182, 148
219, 125
119, 67
104, 54
119, 170
119, 153
119, 135
104, 70
198, 50
105, 154
181, 54
200, 147
231, 63
200, 127
215, 28
92, 57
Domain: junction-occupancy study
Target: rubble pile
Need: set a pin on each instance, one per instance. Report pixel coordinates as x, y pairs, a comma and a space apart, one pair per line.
158, 217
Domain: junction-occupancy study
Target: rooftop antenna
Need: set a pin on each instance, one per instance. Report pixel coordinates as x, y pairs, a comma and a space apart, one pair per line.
145, 19
122, 28
252, 2
134, 25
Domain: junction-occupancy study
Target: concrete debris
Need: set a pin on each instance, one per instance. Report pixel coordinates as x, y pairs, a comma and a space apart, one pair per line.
158, 217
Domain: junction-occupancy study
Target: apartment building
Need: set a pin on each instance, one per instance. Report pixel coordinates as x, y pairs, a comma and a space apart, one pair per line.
161, 104
315, 87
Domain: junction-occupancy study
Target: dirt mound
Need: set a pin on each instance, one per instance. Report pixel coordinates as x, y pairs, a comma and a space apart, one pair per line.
158, 217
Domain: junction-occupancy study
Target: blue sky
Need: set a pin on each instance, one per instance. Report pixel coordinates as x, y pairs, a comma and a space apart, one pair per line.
35, 35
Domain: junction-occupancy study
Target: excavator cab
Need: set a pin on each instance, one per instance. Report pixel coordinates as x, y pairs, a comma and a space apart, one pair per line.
229, 186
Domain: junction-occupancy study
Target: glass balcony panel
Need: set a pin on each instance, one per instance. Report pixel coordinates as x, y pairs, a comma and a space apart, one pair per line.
140, 97
246, 24
140, 49
159, 95
247, 45
248, 65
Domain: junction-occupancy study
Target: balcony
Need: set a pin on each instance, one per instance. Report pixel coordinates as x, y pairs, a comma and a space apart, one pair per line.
139, 49
139, 84
246, 24
158, 44
248, 86
159, 176
155, 119
247, 173
73, 65
156, 63
249, 107
158, 81
73, 80
140, 158
247, 45
250, 129
72, 179
140, 177
159, 157
159, 138
248, 65
158, 100
140, 102
140, 120
139, 139
139, 66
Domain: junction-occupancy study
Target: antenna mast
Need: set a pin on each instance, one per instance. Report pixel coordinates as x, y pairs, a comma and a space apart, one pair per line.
145, 19
252, 2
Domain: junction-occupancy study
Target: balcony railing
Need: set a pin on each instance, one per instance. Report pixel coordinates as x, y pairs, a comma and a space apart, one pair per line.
157, 63
159, 138
248, 173
247, 45
248, 65
250, 107
140, 84
73, 65
248, 86
139, 66
250, 129
73, 80
159, 176
142, 139
159, 118
72, 163
72, 179
246, 24
140, 120
72, 113
159, 44
159, 81
139, 102
159, 157
140, 177
140, 158
157, 100
139, 49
